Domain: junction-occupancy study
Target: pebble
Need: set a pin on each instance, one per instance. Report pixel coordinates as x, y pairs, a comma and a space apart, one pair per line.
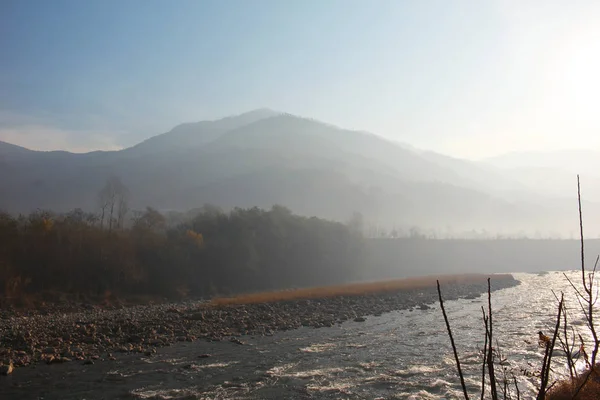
84, 333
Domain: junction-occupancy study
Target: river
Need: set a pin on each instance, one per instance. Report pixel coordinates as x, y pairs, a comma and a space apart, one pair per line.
398, 355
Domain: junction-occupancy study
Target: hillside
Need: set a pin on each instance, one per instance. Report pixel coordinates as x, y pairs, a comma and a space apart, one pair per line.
551, 173
265, 157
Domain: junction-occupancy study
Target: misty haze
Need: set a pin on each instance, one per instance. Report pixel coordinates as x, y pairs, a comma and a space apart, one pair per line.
299, 200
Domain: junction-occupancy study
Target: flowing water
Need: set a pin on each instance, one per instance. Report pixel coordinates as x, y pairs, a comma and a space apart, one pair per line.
404, 355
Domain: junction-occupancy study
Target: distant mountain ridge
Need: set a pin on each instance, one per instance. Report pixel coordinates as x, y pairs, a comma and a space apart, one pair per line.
552, 173
7, 148
194, 134
266, 157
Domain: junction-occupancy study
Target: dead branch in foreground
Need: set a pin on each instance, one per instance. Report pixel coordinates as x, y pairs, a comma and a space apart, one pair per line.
460, 374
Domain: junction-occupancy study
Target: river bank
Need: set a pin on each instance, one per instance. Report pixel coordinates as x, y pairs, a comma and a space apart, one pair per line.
96, 333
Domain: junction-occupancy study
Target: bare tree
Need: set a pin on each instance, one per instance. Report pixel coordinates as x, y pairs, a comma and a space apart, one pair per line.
103, 202
357, 223
123, 209
113, 200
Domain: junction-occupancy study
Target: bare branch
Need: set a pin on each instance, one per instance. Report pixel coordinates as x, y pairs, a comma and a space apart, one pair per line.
573, 286
581, 232
564, 343
594, 270
490, 361
517, 388
590, 297
485, 321
545, 373
585, 380
460, 374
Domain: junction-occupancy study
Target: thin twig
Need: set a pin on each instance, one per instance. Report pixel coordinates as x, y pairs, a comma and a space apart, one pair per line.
594, 270
578, 352
556, 329
587, 376
517, 387
545, 374
573, 286
583, 310
490, 361
568, 350
504, 384
590, 298
581, 231
564, 343
585, 356
485, 321
460, 374
501, 360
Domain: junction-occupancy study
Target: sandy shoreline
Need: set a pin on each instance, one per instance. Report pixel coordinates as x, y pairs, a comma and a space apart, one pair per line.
100, 334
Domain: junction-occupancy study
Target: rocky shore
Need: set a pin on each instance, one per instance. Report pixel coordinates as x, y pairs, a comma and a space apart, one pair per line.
95, 333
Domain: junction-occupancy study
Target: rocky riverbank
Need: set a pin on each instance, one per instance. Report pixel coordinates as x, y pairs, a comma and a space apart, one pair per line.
103, 334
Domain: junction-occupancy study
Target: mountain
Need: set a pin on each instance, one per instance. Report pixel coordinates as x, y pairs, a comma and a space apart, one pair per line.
552, 173
572, 160
266, 157
480, 176
196, 134
7, 148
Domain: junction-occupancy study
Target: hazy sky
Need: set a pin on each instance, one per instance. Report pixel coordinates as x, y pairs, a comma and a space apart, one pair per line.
469, 78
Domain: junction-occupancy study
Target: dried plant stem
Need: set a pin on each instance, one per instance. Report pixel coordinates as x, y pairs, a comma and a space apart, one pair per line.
460, 374
545, 374
485, 346
587, 287
581, 232
490, 357
565, 345
564, 340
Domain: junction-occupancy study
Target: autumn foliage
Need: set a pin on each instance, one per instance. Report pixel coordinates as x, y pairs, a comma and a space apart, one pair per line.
221, 253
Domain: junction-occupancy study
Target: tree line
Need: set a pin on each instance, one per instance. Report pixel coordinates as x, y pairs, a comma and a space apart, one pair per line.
213, 253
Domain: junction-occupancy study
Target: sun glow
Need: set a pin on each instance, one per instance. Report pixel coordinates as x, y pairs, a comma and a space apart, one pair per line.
578, 77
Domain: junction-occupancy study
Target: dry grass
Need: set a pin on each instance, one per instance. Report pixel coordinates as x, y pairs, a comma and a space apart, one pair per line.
353, 289
565, 390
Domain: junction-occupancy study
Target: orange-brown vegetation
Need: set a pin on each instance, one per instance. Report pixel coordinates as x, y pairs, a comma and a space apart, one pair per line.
353, 289
565, 390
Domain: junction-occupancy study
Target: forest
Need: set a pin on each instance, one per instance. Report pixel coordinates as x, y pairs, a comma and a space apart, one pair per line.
213, 253
208, 252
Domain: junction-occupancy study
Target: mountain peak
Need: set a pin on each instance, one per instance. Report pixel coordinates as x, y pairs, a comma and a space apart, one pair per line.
235, 121
6, 148
194, 134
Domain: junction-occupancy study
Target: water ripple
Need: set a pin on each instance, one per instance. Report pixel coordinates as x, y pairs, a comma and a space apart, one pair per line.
399, 355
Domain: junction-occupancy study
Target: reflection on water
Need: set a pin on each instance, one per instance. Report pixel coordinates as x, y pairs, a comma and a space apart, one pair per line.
400, 355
